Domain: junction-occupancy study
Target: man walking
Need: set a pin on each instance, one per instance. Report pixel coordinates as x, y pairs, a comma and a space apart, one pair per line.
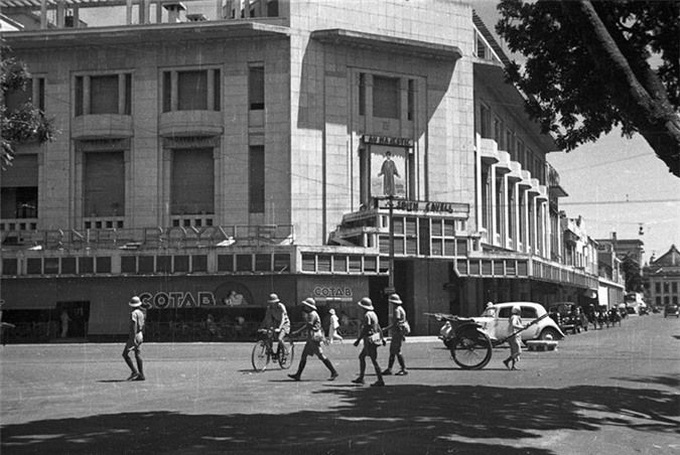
399, 332
315, 337
135, 340
371, 334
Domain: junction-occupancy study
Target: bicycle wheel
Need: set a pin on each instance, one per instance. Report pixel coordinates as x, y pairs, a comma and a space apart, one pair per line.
286, 357
260, 357
471, 350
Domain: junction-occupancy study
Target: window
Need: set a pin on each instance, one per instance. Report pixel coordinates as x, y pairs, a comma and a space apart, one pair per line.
520, 151
385, 97
498, 133
256, 88
103, 94
657, 287
33, 92
256, 179
665, 287
485, 121
103, 184
19, 191
510, 142
411, 99
192, 90
362, 94
674, 287
192, 189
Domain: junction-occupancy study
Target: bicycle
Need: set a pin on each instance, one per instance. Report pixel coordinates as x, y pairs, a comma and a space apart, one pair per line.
264, 351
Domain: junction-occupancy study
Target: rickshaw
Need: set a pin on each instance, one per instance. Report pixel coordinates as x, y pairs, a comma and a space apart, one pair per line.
470, 345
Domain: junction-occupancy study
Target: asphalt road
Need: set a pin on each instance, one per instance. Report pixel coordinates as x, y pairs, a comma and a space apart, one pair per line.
608, 391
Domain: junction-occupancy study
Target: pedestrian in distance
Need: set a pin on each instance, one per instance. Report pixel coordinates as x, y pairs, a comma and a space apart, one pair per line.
276, 319
371, 334
315, 337
399, 330
135, 340
333, 327
515, 338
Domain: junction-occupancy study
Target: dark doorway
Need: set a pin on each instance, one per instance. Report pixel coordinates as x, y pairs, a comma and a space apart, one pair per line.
73, 319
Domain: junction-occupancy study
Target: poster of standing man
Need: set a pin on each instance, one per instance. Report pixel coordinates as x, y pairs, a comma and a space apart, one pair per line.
387, 172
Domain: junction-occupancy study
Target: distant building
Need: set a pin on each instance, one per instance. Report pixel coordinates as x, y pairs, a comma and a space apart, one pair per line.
662, 278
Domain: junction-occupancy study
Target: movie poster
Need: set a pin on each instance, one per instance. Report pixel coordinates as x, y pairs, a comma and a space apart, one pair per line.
388, 171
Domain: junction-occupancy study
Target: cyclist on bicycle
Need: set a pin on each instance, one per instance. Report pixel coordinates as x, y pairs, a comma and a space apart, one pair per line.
276, 319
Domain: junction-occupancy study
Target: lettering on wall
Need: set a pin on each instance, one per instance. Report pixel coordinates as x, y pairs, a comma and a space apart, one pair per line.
162, 300
332, 292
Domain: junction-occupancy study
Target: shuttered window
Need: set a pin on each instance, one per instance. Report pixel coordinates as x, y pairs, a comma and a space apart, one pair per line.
104, 184
193, 182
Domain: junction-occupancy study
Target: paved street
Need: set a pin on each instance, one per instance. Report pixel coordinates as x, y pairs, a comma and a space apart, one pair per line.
614, 390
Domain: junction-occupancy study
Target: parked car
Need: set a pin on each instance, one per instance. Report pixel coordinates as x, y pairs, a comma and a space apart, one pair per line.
671, 309
568, 316
495, 322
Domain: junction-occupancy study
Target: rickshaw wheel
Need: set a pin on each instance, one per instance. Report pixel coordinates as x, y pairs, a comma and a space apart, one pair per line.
471, 350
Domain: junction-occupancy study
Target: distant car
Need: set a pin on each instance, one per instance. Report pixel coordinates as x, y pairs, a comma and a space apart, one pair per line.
568, 316
671, 309
494, 321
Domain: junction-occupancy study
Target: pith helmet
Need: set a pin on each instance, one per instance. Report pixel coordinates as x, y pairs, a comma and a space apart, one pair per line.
366, 304
135, 302
395, 299
310, 303
516, 310
273, 298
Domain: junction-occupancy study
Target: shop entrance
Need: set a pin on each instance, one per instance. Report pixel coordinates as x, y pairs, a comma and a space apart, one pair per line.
73, 319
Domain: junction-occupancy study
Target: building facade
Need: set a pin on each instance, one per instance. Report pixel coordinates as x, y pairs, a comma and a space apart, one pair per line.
210, 157
662, 279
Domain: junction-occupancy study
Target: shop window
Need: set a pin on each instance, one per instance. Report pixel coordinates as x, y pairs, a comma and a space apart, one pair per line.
163, 264
385, 97
104, 264
244, 263
199, 263
103, 94
68, 266
103, 184
256, 88
181, 263
34, 266
51, 266
191, 90
146, 264
225, 263
10, 266
281, 263
192, 189
128, 264
86, 265
256, 174
263, 263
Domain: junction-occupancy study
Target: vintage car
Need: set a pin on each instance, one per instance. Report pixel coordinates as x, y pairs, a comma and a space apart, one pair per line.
494, 321
671, 309
568, 316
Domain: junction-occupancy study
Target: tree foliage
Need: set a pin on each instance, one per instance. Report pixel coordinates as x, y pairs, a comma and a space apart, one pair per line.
631, 273
22, 123
593, 66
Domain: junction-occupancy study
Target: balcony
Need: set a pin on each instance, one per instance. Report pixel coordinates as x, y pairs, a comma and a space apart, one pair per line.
190, 123
101, 126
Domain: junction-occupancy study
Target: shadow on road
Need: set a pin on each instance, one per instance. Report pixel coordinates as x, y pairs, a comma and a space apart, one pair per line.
396, 419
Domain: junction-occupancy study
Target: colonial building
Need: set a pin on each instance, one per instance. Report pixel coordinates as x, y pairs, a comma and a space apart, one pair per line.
210, 156
662, 278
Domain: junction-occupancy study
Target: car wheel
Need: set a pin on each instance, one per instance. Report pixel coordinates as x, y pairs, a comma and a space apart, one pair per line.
549, 334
